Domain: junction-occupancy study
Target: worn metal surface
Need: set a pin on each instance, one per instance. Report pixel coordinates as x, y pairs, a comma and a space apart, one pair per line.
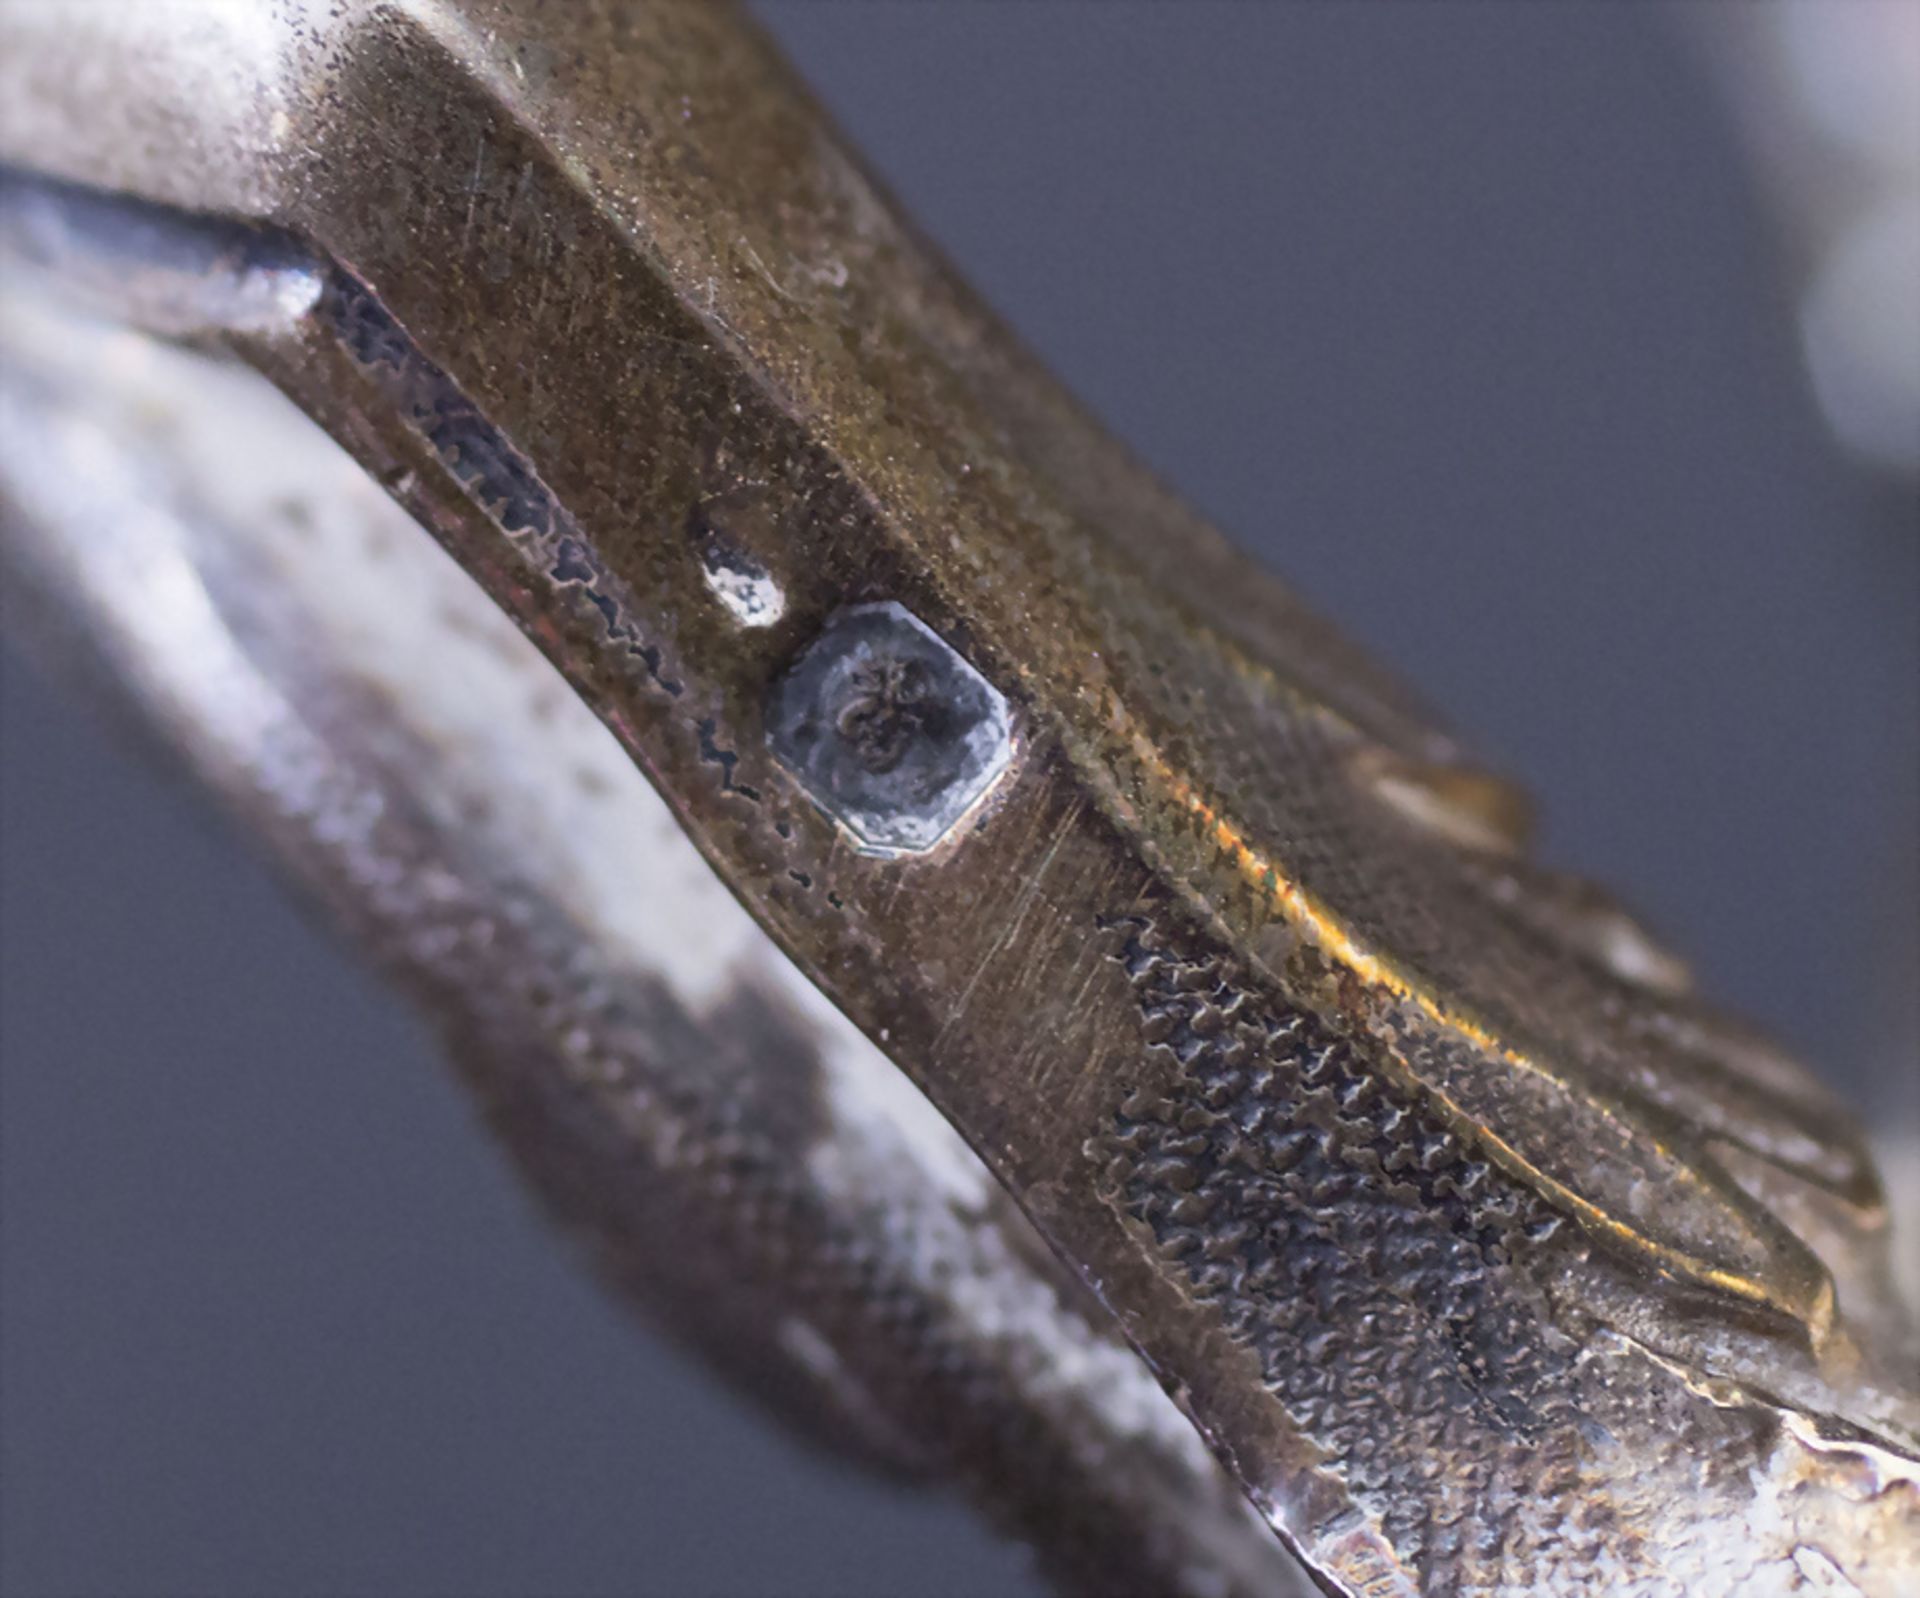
1485, 1258
731, 1153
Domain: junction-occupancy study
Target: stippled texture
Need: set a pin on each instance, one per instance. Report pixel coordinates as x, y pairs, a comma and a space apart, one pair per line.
1398, 1293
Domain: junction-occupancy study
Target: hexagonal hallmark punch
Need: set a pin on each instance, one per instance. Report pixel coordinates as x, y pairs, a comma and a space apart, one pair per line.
888, 729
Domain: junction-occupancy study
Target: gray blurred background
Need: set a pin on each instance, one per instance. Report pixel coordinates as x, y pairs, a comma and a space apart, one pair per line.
1466, 318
